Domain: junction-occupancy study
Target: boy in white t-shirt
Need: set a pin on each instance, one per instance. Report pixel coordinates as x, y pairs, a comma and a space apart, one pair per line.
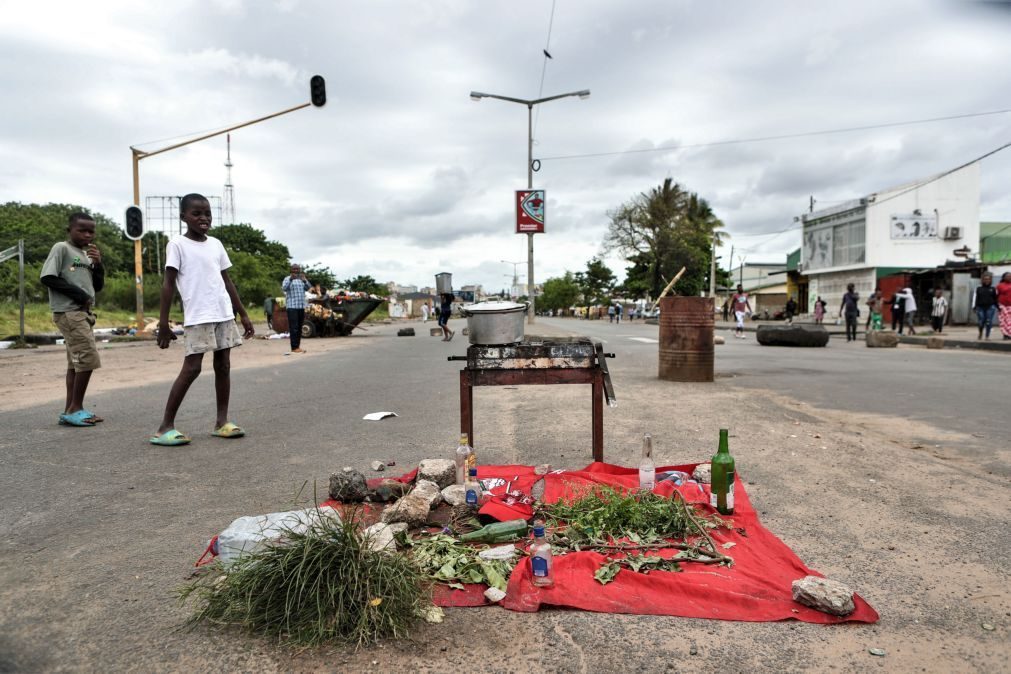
196, 265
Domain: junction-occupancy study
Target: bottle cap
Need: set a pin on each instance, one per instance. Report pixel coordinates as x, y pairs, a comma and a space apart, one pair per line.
473, 472
538, 532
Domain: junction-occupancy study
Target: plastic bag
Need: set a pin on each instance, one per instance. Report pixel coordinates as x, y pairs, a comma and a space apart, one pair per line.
253, 533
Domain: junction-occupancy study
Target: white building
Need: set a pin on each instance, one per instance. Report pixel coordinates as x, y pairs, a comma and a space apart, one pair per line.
909, 227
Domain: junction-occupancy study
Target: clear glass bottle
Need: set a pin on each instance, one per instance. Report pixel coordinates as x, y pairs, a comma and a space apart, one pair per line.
540, 558
647, 470
721, 494
472, 489
465, 459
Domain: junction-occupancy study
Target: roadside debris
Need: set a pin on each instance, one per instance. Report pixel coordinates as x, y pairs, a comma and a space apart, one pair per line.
378, 466
440, 471
348, 486
376, 416
823, 594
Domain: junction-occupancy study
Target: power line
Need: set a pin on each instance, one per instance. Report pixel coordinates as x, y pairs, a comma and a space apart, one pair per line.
544, 68
784, 136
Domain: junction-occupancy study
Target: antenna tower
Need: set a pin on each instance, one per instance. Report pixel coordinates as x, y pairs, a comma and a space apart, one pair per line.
228, 216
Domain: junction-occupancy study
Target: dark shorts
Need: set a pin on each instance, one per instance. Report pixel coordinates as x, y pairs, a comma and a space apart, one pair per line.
443, 318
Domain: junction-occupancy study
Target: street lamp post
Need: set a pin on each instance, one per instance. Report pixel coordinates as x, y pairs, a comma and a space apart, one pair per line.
477, 96
516, 276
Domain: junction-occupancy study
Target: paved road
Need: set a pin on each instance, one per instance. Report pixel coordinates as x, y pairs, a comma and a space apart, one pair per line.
962, 391
99, 527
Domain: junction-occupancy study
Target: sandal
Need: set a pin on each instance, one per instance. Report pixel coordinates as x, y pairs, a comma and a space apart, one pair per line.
229, 430
79, 418
95, 419
170, 438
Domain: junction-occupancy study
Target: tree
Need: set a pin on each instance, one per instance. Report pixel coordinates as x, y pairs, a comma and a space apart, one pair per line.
596, 282
365, 284
661, 231
559, 293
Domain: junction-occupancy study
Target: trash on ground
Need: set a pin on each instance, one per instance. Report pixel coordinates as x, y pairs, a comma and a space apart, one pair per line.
376, 416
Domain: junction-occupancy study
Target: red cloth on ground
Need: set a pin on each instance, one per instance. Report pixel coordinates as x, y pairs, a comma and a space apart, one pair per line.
756, 588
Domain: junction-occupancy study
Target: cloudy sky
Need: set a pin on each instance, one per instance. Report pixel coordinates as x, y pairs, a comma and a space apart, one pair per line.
401, 175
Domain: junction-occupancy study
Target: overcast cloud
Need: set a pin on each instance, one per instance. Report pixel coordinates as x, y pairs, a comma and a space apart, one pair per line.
402, 176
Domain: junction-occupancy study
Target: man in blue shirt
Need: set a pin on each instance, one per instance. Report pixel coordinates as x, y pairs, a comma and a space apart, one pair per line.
295, 287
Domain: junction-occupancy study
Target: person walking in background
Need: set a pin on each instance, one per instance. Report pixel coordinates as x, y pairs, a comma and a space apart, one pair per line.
742, 308
1004, 304
850, 308
610, 313
73, 273
295, 285
444, 313
424, 312
726, 310
938, 311
819, 310
873, 301
876, 306
791, 309
984, 303
910, 310
898, 310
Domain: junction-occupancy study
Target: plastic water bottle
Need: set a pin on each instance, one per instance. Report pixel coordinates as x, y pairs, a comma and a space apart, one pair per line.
472, 489
540, 558
465, 459
647, 470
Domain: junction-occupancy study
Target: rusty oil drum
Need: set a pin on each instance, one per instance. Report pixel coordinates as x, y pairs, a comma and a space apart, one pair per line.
686, 338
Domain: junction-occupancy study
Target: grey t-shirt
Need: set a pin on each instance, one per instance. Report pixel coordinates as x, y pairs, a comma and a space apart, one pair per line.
73, 265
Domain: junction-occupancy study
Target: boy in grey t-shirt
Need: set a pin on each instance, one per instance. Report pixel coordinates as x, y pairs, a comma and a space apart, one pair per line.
73, 273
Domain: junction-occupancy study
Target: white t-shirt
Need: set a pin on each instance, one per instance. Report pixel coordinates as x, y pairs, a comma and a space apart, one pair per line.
199, 281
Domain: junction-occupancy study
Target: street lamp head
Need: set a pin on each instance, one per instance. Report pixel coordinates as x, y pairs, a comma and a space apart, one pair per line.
584, 94
476, 95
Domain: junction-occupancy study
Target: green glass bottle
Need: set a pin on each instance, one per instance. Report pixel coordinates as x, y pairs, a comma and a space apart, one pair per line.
721, 494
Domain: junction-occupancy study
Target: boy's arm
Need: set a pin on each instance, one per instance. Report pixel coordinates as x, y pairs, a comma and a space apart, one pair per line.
168, 288
285, 283
62, 286
237, 307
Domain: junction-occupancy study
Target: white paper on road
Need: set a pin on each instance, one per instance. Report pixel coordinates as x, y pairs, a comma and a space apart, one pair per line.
645, 340
376, 416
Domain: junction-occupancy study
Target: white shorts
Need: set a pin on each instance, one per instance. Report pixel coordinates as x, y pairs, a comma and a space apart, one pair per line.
211, 337
739, 315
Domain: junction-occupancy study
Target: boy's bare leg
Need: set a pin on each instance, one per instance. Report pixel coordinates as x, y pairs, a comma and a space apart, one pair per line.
71, 375
222, 384
188, 374
78, 389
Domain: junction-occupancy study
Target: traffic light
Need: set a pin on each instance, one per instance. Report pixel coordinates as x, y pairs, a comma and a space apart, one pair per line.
134, 223
317, 90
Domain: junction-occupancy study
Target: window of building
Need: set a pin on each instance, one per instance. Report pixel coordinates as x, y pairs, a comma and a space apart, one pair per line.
848, 244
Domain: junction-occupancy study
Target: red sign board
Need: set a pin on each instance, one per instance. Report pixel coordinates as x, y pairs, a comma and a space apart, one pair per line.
530, 211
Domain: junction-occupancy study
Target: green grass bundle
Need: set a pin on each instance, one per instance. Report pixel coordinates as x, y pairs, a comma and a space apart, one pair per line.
321, 586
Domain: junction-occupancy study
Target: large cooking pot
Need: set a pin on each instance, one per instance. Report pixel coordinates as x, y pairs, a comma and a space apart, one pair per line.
494, 323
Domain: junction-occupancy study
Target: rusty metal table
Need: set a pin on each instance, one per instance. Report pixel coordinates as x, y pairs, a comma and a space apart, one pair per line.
538, 361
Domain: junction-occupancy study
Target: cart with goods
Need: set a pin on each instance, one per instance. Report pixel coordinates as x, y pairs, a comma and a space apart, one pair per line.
333, 315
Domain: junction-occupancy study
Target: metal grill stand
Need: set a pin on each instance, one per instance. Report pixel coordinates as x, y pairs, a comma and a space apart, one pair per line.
536, 360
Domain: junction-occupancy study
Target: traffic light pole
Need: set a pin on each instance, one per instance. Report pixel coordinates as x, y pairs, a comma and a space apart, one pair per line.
141, 154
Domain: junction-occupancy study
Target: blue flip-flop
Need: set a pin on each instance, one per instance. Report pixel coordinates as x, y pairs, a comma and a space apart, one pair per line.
79, 418
170, 438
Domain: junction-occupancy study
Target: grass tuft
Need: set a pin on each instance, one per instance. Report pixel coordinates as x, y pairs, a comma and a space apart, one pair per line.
324, 586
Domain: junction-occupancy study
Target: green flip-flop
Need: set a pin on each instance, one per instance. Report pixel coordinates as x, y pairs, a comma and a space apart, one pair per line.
170, 438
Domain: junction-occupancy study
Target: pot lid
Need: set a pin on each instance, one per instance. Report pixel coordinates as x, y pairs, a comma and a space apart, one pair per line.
494, 307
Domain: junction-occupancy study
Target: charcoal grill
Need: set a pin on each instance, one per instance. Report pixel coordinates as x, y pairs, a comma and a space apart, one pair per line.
539, 360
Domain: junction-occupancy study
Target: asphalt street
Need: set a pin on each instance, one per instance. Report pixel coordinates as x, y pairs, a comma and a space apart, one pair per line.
99, 528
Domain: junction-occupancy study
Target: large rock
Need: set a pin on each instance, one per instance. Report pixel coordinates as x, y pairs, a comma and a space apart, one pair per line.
454, 495
703, 473
412, 510
440, 471
792, 335
822, 594
348, 486
881, 340
428, 490
935, 342
380, 536
388, 490
405, 332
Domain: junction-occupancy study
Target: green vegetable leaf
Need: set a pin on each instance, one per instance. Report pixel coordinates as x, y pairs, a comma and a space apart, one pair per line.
606, 573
